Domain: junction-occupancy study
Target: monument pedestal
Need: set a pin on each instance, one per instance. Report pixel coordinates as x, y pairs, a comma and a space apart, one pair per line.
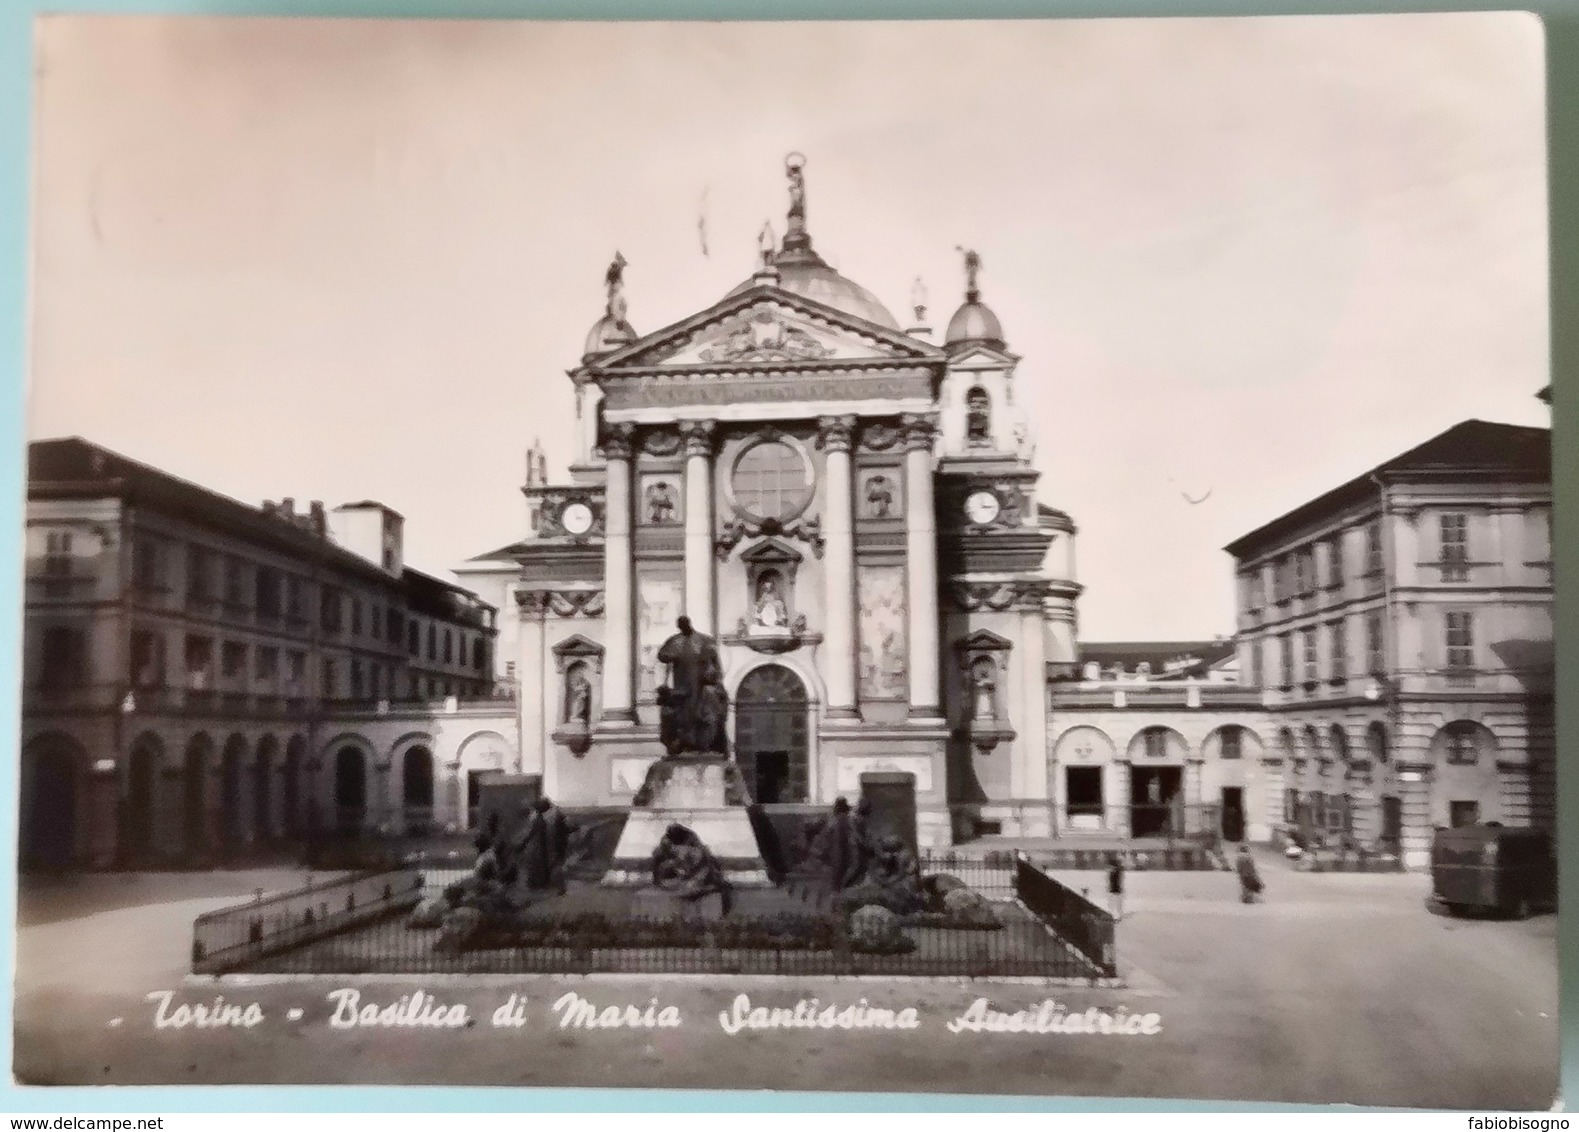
707, 795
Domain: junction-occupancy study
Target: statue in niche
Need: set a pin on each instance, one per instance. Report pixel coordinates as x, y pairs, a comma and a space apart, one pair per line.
578, 699
770, 612
879, 497
660, 502
978, 417
984, 706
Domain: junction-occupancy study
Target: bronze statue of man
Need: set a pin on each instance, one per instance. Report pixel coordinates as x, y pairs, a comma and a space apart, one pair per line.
693, 701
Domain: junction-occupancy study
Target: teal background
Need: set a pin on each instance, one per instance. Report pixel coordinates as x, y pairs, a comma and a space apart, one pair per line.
1562, 38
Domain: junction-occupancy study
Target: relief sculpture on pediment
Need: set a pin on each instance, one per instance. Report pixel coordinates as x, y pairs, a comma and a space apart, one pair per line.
760, 337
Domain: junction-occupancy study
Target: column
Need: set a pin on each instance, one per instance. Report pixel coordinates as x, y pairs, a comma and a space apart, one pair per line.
531, 684
839, 565
699, 524
1033, 747
921, 565
619, 620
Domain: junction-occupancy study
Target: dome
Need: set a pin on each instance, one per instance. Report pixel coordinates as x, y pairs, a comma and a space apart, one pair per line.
608, 334
974, 322
803, 272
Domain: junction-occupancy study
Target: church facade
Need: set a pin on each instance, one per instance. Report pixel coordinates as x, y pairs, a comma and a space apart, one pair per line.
846, 506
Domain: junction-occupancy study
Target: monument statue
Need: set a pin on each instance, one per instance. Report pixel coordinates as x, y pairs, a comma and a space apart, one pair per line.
693, 705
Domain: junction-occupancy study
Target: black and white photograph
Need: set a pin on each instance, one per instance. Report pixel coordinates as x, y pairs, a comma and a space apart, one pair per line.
993, 558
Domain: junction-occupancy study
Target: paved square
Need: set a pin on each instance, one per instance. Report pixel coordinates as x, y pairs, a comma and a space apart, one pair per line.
1339, 988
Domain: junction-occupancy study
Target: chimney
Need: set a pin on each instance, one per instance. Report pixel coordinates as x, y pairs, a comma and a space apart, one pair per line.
268, 506
288, 506
320, 524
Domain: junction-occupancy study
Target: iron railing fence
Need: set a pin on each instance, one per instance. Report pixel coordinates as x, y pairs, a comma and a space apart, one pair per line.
1084, 926
811, 945
361, 925
236, 937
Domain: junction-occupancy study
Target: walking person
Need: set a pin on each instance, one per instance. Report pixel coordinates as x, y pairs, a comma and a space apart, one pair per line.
1250, 885
1115, 885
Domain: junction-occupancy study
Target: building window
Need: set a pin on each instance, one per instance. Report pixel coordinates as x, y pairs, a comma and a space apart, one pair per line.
199, 576
199, 663
57, 554
1256, 672
1301, 573
235, 583
480, 654
63, 659
1376, 743
978, 418
331, 690
393, 629
332, 610
1307, 640
1459, 743
268, 665
356, 617
296, 599
449, 647
1232, 742
1373, 643
1373, 549
148, 565
1460, 642
296, 669
356, 678
1282, 580
1335, 563
1455, 546
375, 622
1461, 814
1156, 742
1286, 643
147, 659
772, 480
433, 643
233, 659
1250, 591
268, 593
1339, 671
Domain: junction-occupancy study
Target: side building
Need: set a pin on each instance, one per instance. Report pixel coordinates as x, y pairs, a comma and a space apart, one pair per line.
202, 677
1402, 627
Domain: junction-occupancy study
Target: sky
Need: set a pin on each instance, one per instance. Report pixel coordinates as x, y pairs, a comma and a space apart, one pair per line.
341, 260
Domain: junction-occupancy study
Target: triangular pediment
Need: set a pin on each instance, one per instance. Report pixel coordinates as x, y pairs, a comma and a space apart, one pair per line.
980, 356
577, 646
983, 640
771, 552
768, 326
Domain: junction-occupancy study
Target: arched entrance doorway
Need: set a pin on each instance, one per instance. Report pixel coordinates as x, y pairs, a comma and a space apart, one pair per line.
350, 790
49, 797
263, 823
416, 784
293, 787
771, 735
193, 790
230, 775
141, 781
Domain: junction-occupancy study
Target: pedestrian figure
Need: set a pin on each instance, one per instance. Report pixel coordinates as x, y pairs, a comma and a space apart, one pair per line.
1115, 885
1250, 885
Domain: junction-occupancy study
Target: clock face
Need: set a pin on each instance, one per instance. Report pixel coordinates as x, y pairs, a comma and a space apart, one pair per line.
981, 507
576, 518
